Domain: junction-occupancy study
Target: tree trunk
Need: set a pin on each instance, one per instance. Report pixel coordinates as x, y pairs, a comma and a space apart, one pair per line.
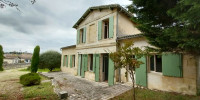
133, 81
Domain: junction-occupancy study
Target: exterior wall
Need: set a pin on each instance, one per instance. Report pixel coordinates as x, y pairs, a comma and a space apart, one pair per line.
155, 80
126, 26
187, 84
69, 51
9, 61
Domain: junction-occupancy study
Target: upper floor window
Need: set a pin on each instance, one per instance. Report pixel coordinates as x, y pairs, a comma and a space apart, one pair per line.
105, 29
81, 36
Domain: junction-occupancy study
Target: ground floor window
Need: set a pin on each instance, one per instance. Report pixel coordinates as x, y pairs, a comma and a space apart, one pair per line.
73, 60
91, 62
155, 63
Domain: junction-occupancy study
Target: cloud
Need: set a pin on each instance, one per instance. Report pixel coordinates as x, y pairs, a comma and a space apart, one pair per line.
46, 23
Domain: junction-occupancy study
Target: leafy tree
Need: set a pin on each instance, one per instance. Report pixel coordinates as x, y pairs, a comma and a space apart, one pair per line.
171, 25
4, 3
128, 57
1, 58
50, 60
35, 59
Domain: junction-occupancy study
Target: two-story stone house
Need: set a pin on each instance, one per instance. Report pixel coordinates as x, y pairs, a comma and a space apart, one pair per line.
98, 31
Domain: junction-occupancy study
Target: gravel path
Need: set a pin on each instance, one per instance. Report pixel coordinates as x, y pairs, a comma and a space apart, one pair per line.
82, 89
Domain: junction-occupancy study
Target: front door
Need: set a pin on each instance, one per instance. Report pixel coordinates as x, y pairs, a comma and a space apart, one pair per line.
105, 68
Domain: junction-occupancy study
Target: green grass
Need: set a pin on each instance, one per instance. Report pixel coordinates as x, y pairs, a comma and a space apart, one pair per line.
41, 70
146, 94
42, 91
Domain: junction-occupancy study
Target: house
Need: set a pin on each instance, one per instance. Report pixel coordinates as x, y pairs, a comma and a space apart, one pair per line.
11, 59
99, 29
25, 58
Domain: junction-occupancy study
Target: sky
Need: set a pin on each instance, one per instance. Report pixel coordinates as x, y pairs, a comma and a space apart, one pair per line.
46, 23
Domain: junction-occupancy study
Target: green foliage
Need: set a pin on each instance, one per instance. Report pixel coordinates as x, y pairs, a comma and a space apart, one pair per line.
35, 60
171, 25
50, 60
30, 79
1, 58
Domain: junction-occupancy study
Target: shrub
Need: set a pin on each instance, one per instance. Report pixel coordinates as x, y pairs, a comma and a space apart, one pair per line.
30, 79
1, 58
50, 60
35, 59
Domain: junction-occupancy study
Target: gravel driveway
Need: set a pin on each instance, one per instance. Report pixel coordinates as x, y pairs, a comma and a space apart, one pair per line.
82, 89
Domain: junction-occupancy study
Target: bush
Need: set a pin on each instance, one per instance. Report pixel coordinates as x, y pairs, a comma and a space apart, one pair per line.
1, 58
35, 59
50, 60
30, 79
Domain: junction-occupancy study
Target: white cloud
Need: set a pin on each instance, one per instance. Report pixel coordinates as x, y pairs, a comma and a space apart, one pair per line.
46, 23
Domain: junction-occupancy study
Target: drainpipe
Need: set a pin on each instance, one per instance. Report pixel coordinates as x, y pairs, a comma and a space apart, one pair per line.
117, 31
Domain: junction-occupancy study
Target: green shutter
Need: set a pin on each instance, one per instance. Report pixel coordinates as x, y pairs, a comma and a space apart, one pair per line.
141, 73
111, 27
97, 57
172, 64
86, 62
66, 60
79, 65
70, 61
94, 63
84, 34
82, 66
78, 36
99, 30
63, 60
111, 72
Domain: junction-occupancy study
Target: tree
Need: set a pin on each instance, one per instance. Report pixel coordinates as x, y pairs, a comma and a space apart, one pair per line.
50, 60
170, 25
4, 3
35, 59
1, 58
128, 57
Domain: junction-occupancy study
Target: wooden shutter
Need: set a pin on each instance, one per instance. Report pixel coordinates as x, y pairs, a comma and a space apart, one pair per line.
82, 66
141, 73
111, 72
78, 36
79, 65
84, 34
63, 60
70, 61
99, 30
111, 26
97, 67
172, 64
86, 62
66, 60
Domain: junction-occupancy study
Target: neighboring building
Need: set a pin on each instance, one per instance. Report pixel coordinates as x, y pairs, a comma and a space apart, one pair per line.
17, 58
11, 59
99, 30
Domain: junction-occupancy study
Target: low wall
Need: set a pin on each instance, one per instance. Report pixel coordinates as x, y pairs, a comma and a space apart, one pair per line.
13, 66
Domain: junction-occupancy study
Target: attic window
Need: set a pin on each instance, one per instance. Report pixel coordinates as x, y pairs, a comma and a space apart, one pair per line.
81, 35
105, 29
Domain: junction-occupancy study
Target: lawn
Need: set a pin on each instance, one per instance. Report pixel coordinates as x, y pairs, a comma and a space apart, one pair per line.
41, 70
11, 89
146, 94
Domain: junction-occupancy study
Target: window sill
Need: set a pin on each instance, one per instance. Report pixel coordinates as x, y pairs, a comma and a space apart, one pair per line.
158, 73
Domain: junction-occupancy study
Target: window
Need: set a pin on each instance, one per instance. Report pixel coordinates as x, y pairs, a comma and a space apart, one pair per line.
81, 36
155, 63
91, 62
73, 60
106, 29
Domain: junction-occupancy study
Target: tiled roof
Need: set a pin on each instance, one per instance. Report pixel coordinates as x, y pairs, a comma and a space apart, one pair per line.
111, 6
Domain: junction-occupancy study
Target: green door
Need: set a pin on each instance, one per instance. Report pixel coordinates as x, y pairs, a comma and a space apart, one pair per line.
111, 73
141, 73
97, 59
79, 65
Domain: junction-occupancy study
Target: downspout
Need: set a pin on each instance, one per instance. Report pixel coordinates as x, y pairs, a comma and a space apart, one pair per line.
117, 30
